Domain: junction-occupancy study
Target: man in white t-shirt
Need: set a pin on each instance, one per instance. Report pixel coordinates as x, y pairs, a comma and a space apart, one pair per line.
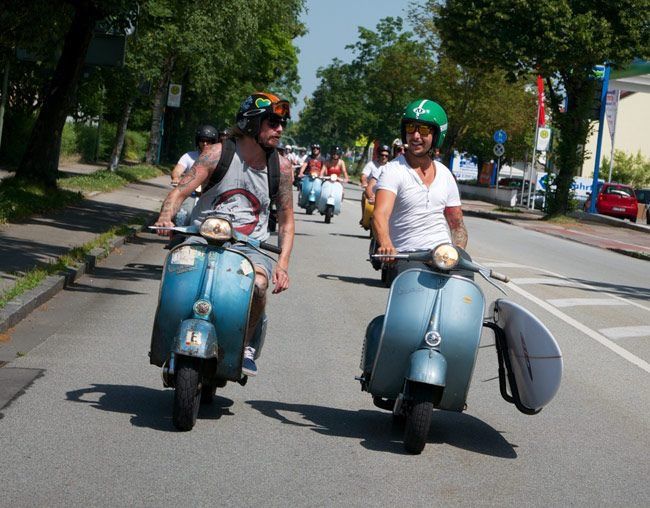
205, 135
417, 203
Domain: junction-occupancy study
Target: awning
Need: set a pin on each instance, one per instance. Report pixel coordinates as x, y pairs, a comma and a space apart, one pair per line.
634, 78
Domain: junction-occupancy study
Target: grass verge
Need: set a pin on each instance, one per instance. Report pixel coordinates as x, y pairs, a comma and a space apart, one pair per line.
507, 209
20, 199
32, 278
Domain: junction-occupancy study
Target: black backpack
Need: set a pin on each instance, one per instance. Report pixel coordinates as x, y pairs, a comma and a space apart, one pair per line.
228, 152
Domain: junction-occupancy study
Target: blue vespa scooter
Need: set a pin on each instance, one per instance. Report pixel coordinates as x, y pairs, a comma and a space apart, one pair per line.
200, 325
420, 355
309, 192
331, 196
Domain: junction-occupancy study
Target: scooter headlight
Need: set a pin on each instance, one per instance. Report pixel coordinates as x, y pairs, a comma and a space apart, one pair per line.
445, 256
334, 178
216, 229
313, 174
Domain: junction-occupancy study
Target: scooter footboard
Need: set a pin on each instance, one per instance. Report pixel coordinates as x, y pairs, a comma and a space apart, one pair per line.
196, 338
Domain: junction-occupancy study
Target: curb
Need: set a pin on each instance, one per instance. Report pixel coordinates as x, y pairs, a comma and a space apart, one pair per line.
20, 307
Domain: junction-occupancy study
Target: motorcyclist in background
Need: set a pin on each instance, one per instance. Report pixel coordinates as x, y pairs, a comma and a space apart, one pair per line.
335, 165
204, 135
378, 168
314, 162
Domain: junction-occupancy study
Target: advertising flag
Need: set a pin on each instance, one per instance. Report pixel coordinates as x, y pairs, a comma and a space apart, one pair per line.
611, 108
541, 122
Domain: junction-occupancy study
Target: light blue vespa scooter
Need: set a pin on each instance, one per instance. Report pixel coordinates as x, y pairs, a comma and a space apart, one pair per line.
310, 191
331, 196
420, 355
202, 316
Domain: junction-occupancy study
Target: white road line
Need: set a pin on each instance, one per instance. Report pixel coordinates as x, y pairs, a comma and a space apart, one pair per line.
623, 353
574, 302
543, 280
623, 332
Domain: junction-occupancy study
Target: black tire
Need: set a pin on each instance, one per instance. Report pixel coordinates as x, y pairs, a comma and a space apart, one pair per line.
416, 426
207, 393
187, 396
310, 208
329, 212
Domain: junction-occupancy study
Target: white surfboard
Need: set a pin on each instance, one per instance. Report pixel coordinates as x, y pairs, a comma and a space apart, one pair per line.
535, 356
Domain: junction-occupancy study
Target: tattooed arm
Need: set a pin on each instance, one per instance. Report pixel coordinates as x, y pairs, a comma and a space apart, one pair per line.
199, 173
286, 228
454, 216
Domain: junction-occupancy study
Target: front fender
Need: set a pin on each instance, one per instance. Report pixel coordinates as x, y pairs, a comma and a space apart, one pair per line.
196, 338
427, 366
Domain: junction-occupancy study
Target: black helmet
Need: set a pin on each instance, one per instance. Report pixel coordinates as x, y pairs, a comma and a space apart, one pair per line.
256, 108
336, 150
315, 145
384, 148
205, 132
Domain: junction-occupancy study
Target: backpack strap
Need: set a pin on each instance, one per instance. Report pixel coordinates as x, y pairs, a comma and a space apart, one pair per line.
273, 170
227, 153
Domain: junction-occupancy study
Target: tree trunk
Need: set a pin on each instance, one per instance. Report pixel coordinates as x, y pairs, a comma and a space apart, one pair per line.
574, 126
157, 110
119, 136
40, 163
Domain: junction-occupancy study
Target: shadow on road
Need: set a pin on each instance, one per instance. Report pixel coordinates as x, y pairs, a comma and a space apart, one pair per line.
362, 237
149, 408
377, 430
353, 280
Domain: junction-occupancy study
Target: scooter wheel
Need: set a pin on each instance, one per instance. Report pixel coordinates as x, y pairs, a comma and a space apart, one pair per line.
187, 395
310, 209
416, 426
329, 212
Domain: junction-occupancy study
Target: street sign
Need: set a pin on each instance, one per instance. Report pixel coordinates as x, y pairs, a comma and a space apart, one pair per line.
174, 95
499, 150
500, 136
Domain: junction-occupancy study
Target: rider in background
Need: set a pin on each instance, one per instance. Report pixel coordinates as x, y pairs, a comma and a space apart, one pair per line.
205, 135
417, 203
335, 165
313, 163
373, 178
398, 148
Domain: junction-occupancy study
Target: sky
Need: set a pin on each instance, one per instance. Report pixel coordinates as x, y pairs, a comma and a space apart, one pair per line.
332, 25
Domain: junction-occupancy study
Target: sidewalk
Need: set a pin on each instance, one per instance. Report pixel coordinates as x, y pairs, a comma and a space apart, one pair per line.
42, 239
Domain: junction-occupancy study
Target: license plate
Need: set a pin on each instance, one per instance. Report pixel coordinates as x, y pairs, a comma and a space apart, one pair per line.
618, 209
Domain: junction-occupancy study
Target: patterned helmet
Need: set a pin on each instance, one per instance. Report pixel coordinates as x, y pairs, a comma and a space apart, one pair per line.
205, 132
427, 112
256, 108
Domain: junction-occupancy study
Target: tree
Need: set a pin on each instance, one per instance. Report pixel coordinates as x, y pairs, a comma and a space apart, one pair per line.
560, 39
40, 161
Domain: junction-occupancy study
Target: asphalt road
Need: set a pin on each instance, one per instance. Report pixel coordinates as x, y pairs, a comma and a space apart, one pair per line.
94, 428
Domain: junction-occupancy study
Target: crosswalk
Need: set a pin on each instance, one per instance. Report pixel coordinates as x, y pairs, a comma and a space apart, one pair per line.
591, 308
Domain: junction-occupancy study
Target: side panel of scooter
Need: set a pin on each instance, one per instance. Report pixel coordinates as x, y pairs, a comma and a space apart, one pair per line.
410, 307
534, 354
183, 275
308, 185
331, 193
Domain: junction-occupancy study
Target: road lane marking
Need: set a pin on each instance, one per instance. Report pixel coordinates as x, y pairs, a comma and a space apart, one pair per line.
574, 302
543, 280
624, 332
598, 337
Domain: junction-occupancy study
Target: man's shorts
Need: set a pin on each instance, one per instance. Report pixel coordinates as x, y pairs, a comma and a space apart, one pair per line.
257, 258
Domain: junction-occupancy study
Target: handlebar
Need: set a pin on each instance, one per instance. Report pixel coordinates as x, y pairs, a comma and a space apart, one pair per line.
270, 247
499, 276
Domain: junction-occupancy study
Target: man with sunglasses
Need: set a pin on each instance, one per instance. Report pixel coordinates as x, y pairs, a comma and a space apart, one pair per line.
417, 203
204, 135
244, 190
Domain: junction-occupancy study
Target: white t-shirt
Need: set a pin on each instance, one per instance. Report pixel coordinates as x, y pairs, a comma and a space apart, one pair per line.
188, 159
417, 221
367, 169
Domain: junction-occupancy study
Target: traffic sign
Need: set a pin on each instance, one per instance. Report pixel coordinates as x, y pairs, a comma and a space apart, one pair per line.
499, 150
500, 136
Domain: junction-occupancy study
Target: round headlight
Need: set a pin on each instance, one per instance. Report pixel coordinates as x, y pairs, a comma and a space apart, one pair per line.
216, 229
334, 178
445, 256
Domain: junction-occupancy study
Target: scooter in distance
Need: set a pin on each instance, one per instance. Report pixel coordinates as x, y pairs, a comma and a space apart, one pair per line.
331, 196
200, 324
420, 354
310, 191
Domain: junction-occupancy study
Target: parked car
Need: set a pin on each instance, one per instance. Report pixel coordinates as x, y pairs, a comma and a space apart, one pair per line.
616, 200
643, 197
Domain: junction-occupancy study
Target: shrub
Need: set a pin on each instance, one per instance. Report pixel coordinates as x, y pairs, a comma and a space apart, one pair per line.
68, 140
135, 146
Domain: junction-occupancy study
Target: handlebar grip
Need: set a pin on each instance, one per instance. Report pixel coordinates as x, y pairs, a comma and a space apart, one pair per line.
270, 247
499, 276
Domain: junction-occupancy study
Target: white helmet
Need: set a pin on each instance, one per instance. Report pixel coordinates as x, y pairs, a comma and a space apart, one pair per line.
288, 148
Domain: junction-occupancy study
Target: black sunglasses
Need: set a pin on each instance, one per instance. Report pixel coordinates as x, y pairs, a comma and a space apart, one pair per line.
275, 121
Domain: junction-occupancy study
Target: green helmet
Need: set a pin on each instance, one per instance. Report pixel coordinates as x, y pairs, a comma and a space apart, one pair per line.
427, 112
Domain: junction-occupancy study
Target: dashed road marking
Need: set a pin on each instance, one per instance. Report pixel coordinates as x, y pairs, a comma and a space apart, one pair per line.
575, 302
625, 332
543, 280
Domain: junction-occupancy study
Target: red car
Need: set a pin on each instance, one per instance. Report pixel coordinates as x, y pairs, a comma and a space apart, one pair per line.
617, 200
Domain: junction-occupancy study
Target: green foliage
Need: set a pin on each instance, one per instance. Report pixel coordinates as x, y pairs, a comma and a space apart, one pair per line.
135, 145
631, 169
17, 126
105, 181
559, 39
20, 199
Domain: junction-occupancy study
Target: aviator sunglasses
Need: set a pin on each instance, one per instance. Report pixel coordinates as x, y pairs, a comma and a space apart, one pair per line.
424, 130
275, 120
